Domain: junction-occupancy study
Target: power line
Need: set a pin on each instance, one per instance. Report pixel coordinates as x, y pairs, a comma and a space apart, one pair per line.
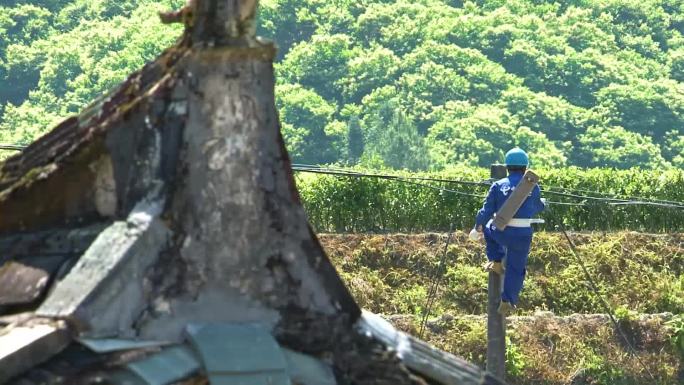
576, 196
604, 303
444, 189
410, 179
337, 171
12, 147
614, 196
553, 191
437, 277
632, 201
550, 190
398, 178
580, 204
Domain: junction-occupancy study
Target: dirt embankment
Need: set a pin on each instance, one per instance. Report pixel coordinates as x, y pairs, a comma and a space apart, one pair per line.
638, 274
390, 274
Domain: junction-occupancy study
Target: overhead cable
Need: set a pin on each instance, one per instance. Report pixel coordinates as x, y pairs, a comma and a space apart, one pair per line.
607, 308
611, 195
435, 282
584, 198
549, 190
12, 147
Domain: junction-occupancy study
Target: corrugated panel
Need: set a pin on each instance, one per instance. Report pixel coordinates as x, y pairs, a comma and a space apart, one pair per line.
239, 354
166, 367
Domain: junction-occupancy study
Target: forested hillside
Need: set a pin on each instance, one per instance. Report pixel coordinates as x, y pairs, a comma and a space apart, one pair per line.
416, 84
56, 56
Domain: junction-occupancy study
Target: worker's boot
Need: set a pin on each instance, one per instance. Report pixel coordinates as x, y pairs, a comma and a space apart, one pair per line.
506, 308
495, 267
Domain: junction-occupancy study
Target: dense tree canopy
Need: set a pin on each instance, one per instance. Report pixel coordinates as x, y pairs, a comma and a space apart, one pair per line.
415, 84
57, 56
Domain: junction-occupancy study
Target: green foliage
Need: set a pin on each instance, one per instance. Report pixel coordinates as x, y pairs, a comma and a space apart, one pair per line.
602, 372
676, 63
675, 148
515, 359
393, 142
357, 205
56, 60
581, 83
385, 272
480, 135
355, 140
323, 60
651, 109
614, 146
375, 67
464, 286
394, 271
340, 204
624, 314
677, 333
308, 127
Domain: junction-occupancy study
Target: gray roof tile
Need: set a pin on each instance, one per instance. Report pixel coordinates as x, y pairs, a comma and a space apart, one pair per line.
239, 354
236, 348
307, 370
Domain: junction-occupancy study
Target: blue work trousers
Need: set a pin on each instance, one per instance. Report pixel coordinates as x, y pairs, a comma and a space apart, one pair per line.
514, 244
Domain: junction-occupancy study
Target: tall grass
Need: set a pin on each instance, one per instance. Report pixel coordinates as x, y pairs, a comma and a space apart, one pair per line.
353, 204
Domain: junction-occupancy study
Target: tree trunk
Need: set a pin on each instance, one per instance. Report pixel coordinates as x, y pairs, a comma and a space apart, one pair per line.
242, 241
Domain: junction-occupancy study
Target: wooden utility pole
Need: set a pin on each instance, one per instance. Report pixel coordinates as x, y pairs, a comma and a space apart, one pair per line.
496, 323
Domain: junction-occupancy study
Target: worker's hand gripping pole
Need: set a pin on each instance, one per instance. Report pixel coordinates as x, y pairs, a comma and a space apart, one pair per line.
518, 196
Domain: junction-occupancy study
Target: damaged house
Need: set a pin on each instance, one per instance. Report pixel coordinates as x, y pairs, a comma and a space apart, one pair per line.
158, 238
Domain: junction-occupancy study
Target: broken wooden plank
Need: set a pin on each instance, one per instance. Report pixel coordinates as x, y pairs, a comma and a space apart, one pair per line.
423, 358
22, 348
17, 318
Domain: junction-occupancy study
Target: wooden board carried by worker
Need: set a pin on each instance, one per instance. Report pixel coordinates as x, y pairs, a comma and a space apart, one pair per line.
518, 196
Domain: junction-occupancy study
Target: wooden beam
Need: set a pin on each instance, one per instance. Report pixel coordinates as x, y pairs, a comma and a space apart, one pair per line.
422, 358
22, 348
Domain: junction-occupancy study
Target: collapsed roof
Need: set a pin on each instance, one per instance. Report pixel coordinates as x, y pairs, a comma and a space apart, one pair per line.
158, 238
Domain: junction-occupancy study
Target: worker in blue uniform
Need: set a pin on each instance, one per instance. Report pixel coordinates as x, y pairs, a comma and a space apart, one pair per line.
514, 241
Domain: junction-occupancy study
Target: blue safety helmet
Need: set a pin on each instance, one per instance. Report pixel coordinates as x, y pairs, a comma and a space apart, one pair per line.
517, 157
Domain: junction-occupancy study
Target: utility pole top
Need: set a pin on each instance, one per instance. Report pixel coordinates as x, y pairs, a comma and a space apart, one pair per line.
497, 171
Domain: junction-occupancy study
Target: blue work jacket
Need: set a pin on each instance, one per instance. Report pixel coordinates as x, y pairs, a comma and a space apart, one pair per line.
500, 191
